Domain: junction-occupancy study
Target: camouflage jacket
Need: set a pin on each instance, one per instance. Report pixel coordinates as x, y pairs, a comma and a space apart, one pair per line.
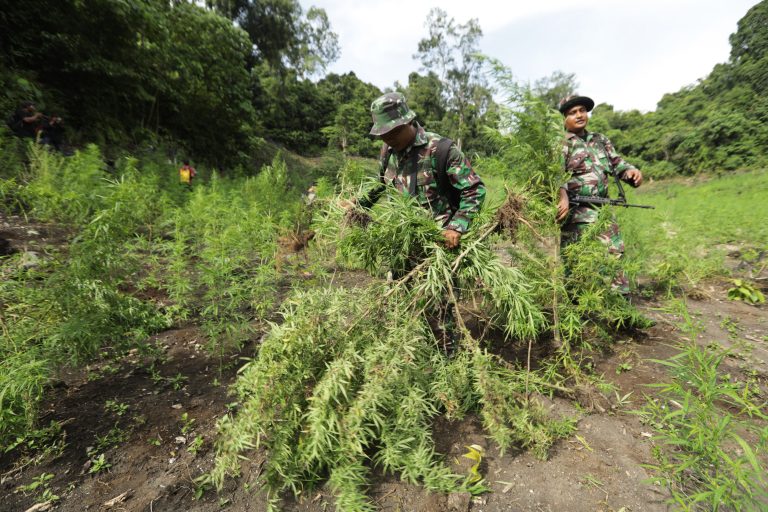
423, 153
591, 161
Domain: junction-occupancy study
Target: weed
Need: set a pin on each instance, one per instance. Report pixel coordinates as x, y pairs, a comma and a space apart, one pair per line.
99, 464
48, 496
187, 423
710, 445
115, 407
195, 445
593, 481
730, 325
41, 480
115, 436
746, 292
177, 381
370, 375
49, 441
622, 401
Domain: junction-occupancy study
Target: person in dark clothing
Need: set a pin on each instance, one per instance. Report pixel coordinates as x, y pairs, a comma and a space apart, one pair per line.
28, 122
24, 121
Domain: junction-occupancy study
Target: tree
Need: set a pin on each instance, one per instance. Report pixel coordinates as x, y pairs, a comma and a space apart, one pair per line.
451, 51
281, 35
551, 89
98, 61
751, 38
293, 110
349, 125
207, 99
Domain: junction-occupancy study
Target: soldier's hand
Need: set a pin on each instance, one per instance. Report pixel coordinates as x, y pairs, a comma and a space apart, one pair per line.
562, 206
452, 238
348, 204
634, 176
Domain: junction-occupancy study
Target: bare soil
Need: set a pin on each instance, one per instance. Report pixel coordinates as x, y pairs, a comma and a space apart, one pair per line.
154, 464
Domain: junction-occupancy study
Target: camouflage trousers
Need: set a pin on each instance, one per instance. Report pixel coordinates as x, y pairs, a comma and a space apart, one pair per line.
611, 238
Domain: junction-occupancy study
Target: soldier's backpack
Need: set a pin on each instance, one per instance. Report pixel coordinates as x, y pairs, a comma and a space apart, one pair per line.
443, 182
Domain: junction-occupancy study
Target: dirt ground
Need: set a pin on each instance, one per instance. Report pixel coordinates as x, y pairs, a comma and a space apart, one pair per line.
155, 408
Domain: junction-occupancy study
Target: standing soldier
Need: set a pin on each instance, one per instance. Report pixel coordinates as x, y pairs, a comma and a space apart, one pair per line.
591, 160
435, 172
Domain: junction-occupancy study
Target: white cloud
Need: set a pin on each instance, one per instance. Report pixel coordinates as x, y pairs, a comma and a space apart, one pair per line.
626, 53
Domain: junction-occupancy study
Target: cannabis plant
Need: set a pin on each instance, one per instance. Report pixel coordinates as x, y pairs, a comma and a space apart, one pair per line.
352, 378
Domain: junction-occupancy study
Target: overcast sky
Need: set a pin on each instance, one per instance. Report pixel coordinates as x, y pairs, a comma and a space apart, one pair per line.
627, 53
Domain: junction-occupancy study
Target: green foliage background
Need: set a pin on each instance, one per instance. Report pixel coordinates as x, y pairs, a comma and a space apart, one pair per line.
719, 124
143, 84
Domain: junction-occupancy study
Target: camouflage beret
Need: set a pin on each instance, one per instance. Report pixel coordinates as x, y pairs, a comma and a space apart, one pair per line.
573, 100
390, 111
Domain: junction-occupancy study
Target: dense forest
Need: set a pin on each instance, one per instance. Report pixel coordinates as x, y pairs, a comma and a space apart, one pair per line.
218, 80
718, 123
251, 340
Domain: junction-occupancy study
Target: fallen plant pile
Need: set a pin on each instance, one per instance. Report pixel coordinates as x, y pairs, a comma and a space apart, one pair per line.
353, 378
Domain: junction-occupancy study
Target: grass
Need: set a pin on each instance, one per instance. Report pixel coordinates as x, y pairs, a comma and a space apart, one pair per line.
711, 434
695, 224
711, 431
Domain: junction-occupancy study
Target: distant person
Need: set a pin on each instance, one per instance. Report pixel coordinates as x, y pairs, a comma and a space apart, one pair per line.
28, 122
591, 160
310, 195
187, 174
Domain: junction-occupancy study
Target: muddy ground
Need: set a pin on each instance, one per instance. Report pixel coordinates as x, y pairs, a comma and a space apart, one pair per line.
147, 412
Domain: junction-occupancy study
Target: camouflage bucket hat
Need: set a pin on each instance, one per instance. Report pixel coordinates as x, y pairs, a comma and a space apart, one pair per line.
390, 111
573, 100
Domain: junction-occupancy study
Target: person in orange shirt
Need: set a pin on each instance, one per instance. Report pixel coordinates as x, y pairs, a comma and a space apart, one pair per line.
186, 173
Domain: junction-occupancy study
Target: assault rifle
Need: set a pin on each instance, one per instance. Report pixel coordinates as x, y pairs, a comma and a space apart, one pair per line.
605, 200
621, 201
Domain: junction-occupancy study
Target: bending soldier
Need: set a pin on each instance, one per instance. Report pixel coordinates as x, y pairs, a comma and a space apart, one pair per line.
410, 161
435, 172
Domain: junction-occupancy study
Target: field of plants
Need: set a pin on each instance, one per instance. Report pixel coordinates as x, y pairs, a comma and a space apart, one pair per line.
238, 346
254, 342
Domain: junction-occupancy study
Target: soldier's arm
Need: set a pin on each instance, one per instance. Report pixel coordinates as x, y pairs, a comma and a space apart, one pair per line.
471, 188
619, 166
573, 185
563, 205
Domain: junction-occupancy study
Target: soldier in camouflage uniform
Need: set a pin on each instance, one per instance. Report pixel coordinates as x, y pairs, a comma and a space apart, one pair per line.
591, 160
411, 167
409, 162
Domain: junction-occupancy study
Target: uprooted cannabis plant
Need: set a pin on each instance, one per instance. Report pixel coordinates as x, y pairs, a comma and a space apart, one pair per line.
351, 379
